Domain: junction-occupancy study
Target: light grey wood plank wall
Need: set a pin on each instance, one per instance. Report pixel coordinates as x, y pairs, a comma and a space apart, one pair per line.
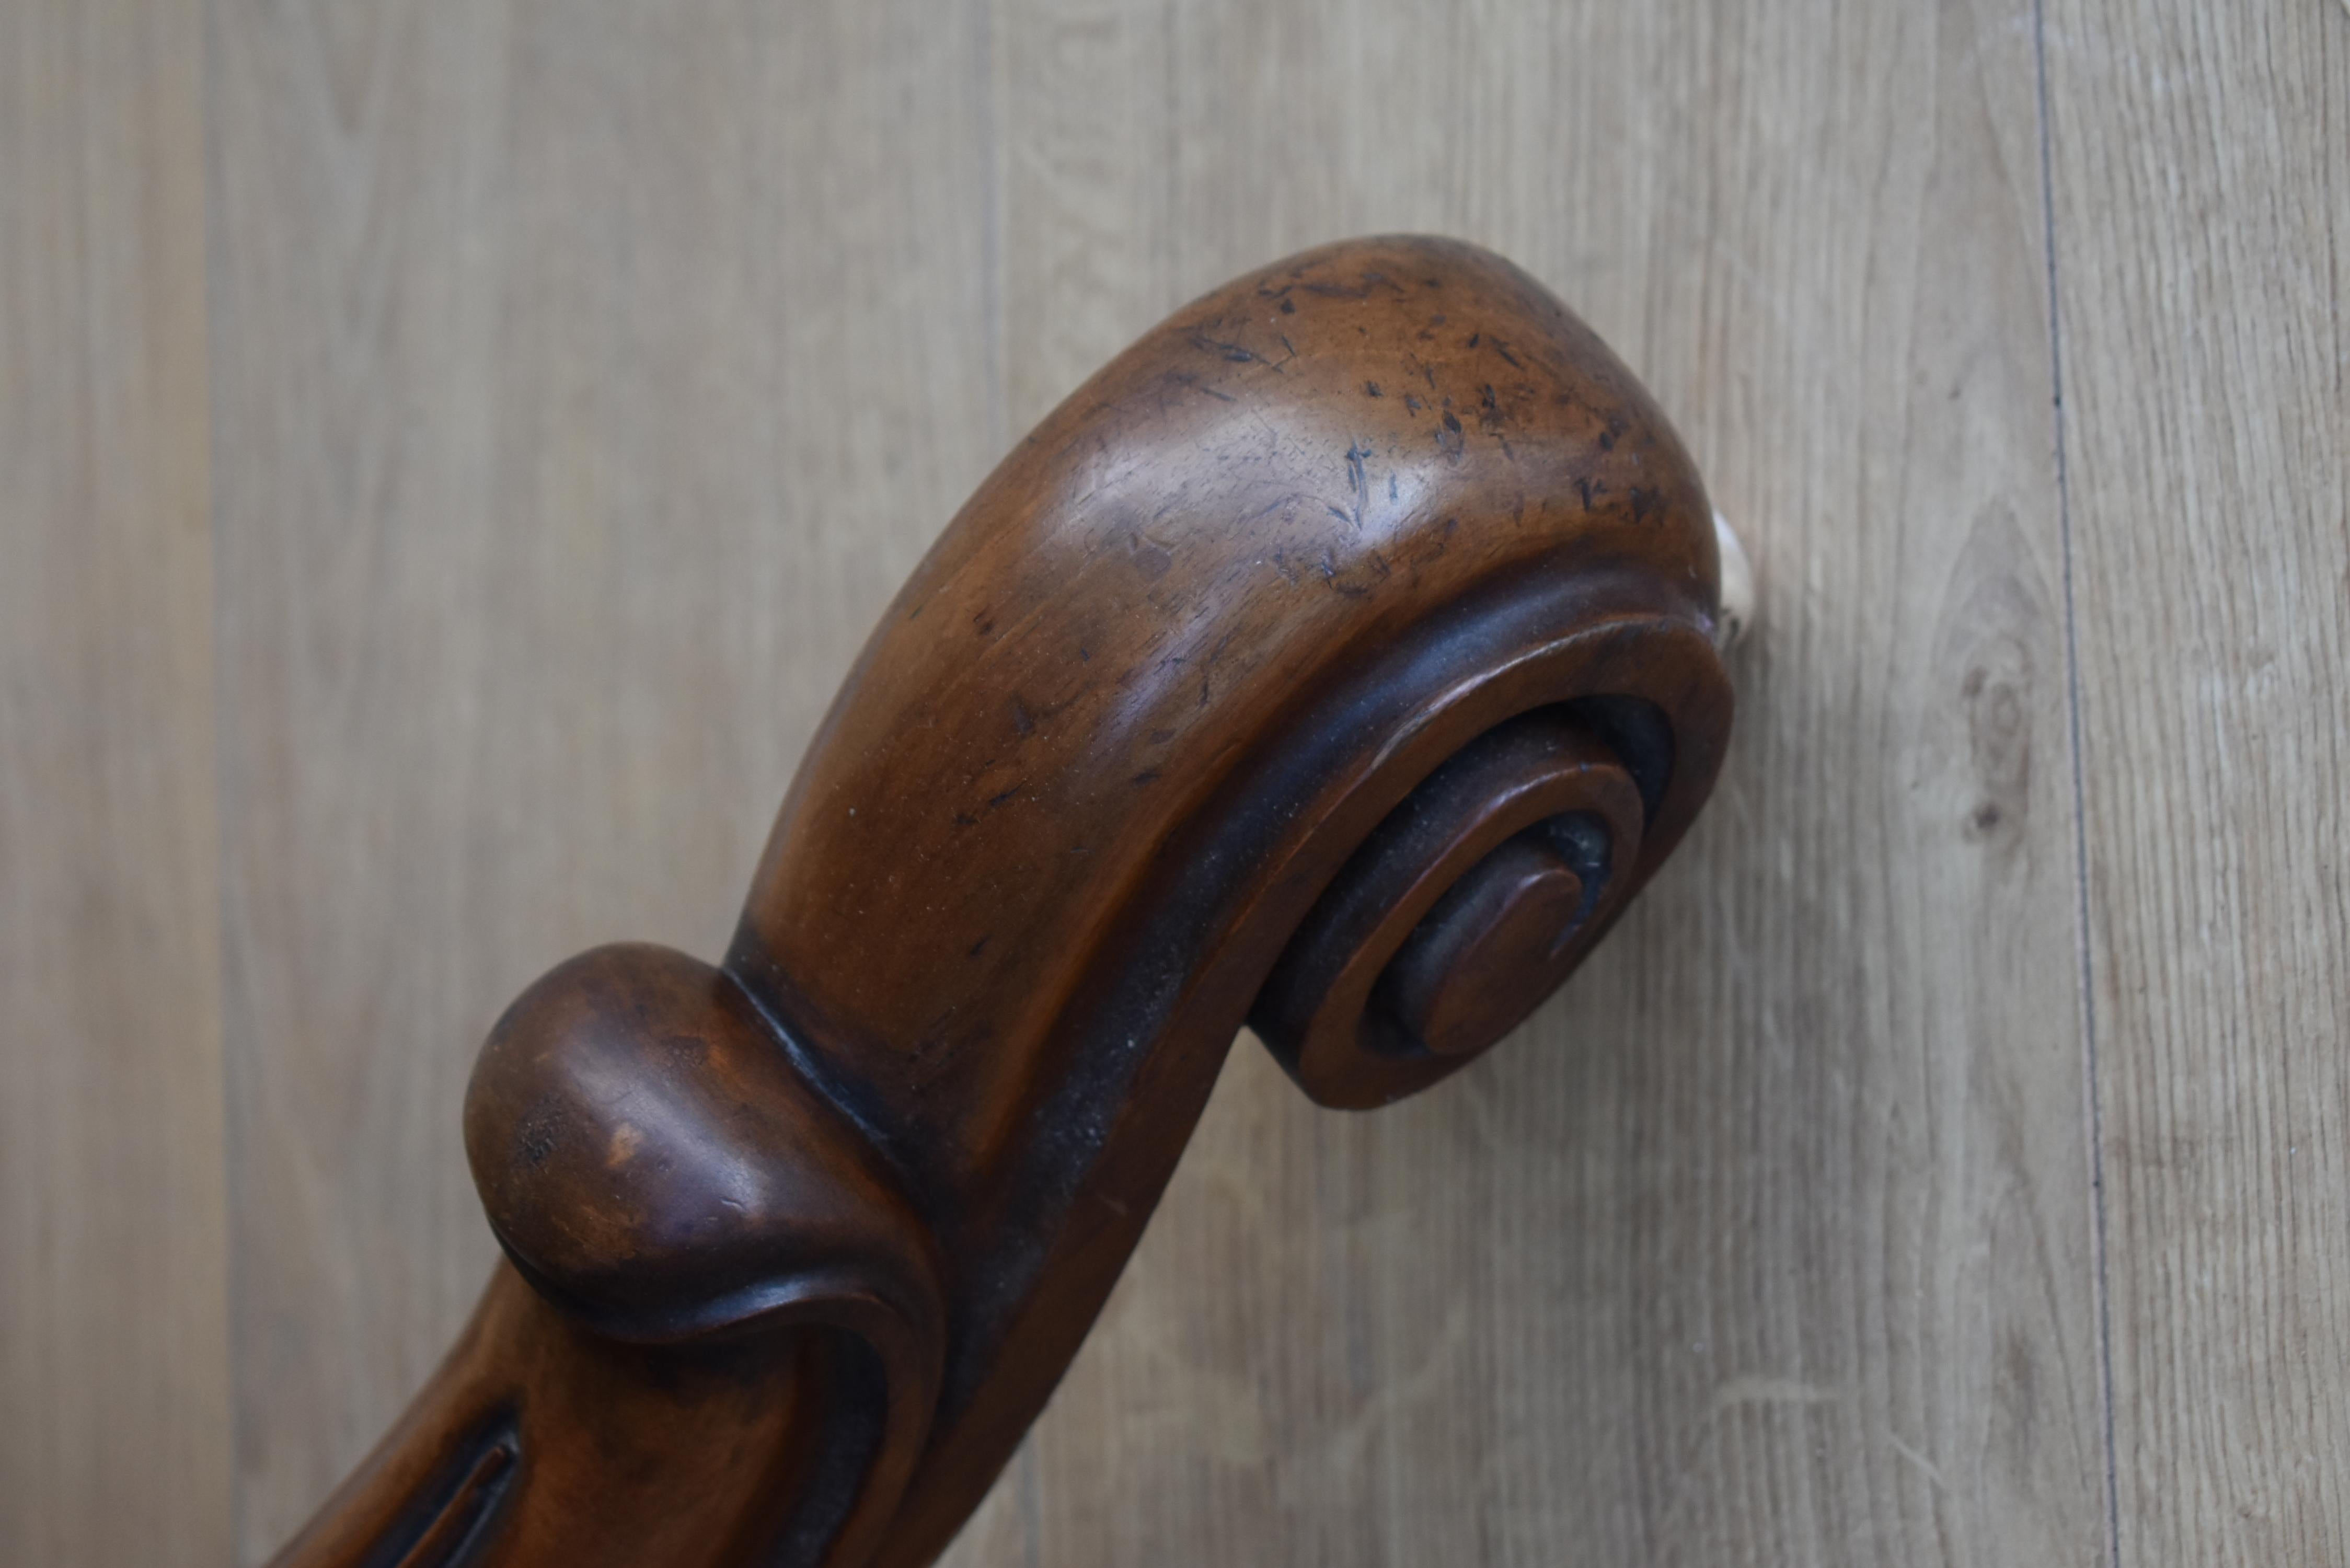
2203, 197
114, 1372
453, 450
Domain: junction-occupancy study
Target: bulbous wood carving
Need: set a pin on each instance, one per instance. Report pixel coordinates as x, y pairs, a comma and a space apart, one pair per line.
1338, 661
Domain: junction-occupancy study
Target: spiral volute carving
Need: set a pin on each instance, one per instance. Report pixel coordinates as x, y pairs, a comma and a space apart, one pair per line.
1467, 905
1340, 660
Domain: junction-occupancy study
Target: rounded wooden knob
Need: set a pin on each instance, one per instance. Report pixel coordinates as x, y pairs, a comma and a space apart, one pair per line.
1463, 910
1478, 964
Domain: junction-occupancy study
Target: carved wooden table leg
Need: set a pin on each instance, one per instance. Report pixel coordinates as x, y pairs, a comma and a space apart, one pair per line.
1340, 660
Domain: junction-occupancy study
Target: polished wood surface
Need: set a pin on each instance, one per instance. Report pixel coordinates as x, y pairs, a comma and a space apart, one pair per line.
1262, 680
584, 383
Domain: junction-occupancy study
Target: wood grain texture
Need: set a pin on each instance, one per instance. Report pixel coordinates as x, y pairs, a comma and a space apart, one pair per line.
584, 379
114, 1379
587, 379
2202, 209
1770, 1240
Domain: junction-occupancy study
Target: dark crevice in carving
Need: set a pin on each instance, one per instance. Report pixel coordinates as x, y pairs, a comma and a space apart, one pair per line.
1581, 839
852, 1387
456, 1513
1638, 731
768, 992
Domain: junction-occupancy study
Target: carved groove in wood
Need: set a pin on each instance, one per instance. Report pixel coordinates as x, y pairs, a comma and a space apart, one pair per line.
1339, 659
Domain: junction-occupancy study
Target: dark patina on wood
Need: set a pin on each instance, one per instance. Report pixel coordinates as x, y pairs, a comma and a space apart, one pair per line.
1338, 661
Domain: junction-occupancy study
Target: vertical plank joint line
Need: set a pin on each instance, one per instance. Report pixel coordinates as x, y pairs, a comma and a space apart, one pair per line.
217, 463
2085, 951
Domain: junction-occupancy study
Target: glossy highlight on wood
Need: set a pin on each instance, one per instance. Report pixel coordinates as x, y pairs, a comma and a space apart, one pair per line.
1340, 658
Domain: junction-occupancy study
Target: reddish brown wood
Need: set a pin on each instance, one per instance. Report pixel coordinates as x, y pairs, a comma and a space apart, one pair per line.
1339, 659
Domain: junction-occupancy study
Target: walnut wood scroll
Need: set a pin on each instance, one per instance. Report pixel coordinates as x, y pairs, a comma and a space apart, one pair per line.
1338, 661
